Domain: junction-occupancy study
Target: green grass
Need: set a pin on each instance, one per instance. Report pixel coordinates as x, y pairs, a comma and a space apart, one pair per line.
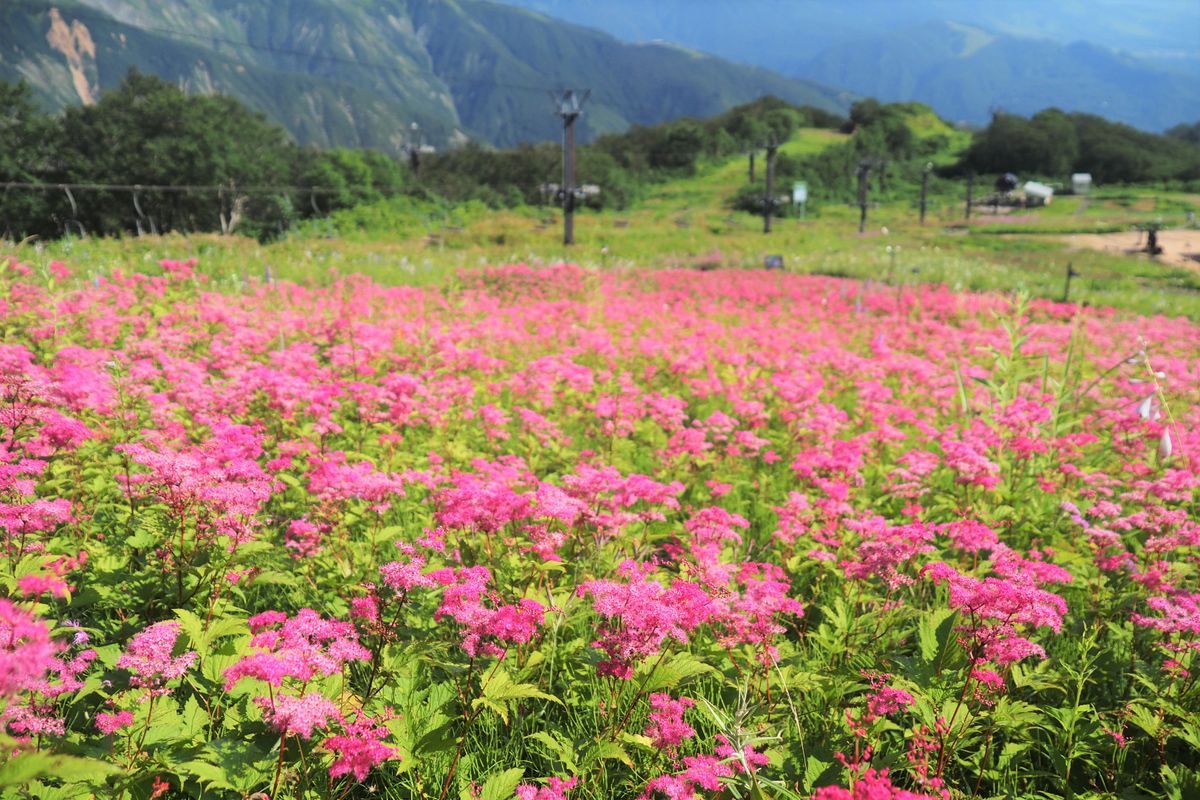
687, 223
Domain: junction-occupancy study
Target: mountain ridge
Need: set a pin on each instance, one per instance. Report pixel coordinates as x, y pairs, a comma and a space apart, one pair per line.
361, 75
933, 64
1157, 42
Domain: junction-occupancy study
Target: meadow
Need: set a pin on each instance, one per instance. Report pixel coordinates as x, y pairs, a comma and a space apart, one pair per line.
687, 222
451, 529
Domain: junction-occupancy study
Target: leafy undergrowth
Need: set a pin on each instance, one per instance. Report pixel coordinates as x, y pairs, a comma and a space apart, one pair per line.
554, 533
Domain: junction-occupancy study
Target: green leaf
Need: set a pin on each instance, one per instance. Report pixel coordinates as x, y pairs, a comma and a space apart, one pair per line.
24, 767
606, 751
814, 770
437, 739
934, 631
501, 687
141, 540
502, 785
675, 671
194, 719
560, 746
289, 479
210, 774
1145, 719
637, 738
757, 793
501, 709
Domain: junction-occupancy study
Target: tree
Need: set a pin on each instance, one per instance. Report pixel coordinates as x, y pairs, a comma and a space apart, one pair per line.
677, 147
30, 155
1188, 133
149, 132
1058, 140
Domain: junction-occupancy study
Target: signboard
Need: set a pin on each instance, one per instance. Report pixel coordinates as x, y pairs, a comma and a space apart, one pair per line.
773, 262
799, 192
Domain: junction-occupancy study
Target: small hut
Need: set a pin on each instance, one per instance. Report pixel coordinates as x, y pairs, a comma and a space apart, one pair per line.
1037, 194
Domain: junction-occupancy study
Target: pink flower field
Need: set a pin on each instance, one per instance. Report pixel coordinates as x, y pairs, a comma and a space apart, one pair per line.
562, 534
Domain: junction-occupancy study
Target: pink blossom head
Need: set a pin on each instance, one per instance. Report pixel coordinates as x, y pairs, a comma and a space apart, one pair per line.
149, 658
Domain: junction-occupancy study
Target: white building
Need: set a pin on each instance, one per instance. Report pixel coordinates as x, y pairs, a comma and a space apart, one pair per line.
1037, 194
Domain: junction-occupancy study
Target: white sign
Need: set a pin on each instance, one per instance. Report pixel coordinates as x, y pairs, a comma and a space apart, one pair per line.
799, 192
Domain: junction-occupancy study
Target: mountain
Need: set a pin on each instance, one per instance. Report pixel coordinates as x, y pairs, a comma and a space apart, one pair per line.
966, 72
1111, 57
360, 74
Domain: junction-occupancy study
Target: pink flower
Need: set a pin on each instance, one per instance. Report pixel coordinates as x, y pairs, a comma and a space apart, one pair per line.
555, 789
35, 585
641, 615
148, 656
359, 749
667, 728
885, 700
744, 760
298, 716
405, 576
303, 538
108, 723
298, 647
871, 785
704, 772
27, 653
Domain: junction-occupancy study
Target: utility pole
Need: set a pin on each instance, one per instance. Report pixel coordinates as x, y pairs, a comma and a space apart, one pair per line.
1071, 273
864, 171
752, 166
570, 107
769, 201
414, 151
925, 187
970, 189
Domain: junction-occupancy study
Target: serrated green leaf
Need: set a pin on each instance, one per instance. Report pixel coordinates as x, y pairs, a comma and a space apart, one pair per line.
502, 785
674, 671
209, 774
501, 688
934, 632
194, 719
814, 770
637, 738
20, 769
613, 751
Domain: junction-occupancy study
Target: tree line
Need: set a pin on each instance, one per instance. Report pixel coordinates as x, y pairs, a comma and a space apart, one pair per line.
147, 132
1055, 144
253, 180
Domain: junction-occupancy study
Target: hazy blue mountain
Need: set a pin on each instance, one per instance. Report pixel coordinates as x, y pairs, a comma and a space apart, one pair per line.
1125, 58
360, 73
965, 72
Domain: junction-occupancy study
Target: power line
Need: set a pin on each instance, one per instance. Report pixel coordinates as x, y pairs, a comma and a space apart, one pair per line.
175, 187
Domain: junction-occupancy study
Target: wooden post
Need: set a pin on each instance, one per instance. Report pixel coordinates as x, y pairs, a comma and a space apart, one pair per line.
1071, 273
864, 171
925, 188
769, 200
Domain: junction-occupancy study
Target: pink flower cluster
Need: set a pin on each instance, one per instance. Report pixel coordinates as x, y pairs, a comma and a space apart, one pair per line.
641, 615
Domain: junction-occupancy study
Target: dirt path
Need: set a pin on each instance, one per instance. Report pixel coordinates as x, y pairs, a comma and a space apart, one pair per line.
1180, 248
